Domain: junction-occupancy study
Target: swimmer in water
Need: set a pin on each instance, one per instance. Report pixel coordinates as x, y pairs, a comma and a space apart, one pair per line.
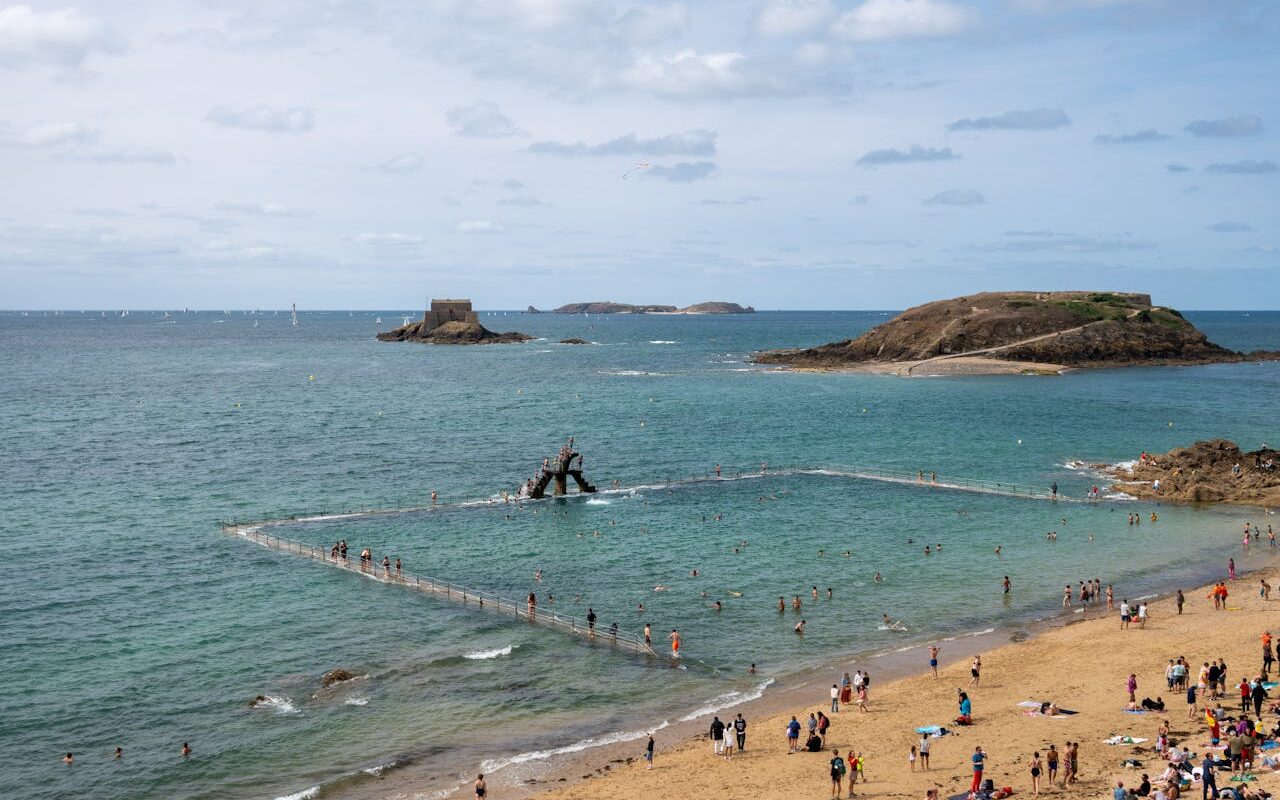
693, 574
782, 605
537, 576
828, 592
659, 588
879, 579
846, 554
718, 607
752, 669
821, 553
795, 602
927, 551
799, 627
640, 609
813, 592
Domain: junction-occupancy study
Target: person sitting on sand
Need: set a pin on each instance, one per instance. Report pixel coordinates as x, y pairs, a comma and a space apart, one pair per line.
966, 709
1153, 705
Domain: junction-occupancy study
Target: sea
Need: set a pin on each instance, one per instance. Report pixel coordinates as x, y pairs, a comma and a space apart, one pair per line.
131, 619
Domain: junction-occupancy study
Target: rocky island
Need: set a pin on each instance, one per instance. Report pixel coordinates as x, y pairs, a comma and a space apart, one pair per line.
450, 322
610, 307
1020, 333
1206, 472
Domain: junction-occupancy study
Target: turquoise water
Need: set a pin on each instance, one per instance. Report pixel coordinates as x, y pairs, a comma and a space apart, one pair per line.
133, 621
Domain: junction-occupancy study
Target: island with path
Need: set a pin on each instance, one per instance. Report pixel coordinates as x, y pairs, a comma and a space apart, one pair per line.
1020, 333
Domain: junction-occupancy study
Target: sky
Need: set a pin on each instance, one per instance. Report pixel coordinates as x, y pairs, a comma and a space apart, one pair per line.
789, 154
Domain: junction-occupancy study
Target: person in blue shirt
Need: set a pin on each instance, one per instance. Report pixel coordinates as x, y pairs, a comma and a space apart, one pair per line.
793, 736
966, 709
1208, 786
979, 760
1119, 792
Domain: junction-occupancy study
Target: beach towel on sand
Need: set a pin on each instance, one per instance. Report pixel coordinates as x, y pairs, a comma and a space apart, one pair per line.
932, 730
1124, 740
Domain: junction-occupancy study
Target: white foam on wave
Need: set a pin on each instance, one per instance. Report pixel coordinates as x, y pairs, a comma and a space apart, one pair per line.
727, 700
378, 769
628, 373
982, 632
305, 794
662, 341
495, 764
487, 654
357, 701
281, 705
597, 502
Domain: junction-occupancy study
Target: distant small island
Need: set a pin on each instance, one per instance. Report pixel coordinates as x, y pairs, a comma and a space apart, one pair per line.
610, 307
1020, 333
450, 322
1206, 472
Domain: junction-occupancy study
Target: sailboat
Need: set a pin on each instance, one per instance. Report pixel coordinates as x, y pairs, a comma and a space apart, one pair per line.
377, 321
294, 314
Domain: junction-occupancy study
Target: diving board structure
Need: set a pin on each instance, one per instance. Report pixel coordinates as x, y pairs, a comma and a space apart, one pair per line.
444, 590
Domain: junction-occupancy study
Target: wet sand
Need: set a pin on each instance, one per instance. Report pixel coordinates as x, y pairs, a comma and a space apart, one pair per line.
1081, 665
944, 367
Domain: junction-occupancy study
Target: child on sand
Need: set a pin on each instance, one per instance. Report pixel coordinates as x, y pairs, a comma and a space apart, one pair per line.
911, 758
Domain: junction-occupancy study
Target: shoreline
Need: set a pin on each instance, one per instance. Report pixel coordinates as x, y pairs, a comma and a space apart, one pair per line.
690, 753
583, 765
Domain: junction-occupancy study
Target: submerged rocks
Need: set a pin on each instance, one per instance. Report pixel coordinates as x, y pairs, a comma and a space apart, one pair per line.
574, 341
336, 676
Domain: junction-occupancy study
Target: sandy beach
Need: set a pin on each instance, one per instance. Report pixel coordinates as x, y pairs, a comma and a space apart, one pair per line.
1082, 666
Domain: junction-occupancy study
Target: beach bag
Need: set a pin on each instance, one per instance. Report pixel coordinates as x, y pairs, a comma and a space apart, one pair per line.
842, 767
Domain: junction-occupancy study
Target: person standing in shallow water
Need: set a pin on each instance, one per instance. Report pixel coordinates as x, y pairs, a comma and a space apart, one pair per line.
480, 787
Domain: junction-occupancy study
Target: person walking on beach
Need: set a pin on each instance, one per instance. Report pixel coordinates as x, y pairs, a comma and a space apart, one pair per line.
717, 736
1180, 600
480, 787
1035, 774
933, 660
648, 753
837, 773
1231, 569
835, 699
1267, 657
1125, 615
1066, 596
975, 672
1051, 763
740, 731
1073, 761
924, 752
793, 736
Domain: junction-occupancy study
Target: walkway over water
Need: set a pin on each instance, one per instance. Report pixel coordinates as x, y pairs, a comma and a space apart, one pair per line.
444, 590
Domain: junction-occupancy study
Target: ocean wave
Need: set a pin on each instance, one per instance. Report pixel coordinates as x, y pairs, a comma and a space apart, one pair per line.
662, 341
305, 794
281, 705
630, 373
495, 764
357, 701
378, 769
982, 632
487, 654
727, 700
597, 502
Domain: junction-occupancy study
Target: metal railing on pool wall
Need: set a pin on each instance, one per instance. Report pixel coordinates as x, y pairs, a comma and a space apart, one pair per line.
476, 598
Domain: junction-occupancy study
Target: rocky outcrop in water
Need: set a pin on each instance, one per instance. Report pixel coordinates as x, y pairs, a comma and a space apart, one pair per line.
336, 676
1206, 472
610, 307
1073, 329
451, 333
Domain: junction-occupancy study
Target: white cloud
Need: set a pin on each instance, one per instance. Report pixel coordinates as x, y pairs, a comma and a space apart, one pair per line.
683, 172
400, 165
64, 37
686, 143
127, 155
478, 226
389, 239
654, 23
50, 135
524, 200
544, 14
957, 197
1031, 119
687, 73
264, 209
880, 158
791, 17
482, 121
262, 118
1243, 125
882, 20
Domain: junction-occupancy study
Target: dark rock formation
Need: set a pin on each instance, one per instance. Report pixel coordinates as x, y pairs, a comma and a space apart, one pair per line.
1080, 329
532, 310
1205, 472
336, 676
451, 333
610, 307
574, 341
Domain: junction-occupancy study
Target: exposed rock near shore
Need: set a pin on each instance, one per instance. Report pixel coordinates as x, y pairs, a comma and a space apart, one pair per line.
609, 307
574, 341
451, 333
1061, 329
336, 676
1206, 472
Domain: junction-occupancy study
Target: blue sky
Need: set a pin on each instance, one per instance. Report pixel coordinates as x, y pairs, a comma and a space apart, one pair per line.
782, 153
